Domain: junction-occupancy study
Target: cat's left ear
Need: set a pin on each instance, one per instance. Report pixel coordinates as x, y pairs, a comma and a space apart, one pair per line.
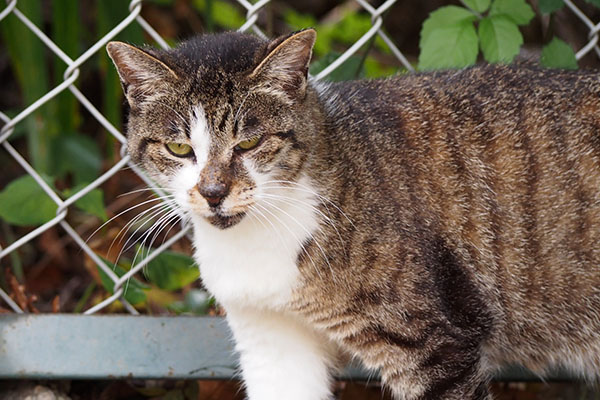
284, 71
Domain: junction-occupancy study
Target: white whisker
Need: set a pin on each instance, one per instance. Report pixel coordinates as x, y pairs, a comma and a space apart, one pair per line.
292, 233
146, 189
310, 234
121, 213
165, 221
276, 231
306, 189
290, 201
162, 208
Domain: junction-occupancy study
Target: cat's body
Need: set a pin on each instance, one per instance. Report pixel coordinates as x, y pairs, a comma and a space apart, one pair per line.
435, 226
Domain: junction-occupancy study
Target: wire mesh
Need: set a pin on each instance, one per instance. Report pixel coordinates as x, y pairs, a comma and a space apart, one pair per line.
71, 76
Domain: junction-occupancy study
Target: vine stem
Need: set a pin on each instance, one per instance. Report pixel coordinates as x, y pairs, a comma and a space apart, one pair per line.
470, 9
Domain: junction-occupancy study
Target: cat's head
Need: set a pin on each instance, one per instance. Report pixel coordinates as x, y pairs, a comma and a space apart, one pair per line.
218, 117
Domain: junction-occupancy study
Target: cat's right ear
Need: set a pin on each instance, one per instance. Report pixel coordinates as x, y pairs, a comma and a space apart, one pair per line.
141, 74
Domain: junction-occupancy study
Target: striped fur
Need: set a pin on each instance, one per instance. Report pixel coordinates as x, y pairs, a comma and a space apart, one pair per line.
458, 211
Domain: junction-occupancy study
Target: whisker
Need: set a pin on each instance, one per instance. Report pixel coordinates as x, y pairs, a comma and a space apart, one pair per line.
169, 220
166, 220
290, 201
276, 231
121, 213
292, 233
165, 204
164, 208
125, 248
306, 189
157, 227
307, 232
235, 118
145, 189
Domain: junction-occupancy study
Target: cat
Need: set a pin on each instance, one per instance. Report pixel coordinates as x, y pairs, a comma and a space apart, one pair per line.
434, 225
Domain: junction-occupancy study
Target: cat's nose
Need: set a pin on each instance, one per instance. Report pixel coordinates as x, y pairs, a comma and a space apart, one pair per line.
214, 193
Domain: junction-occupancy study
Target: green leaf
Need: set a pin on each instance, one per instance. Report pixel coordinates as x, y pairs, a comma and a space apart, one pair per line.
449, 47
517, 10
133, 290
92, 203
23, 202
78, 155
500, 39
549, 6
171, 271
594, 2
558, 54
478, 5
444, 17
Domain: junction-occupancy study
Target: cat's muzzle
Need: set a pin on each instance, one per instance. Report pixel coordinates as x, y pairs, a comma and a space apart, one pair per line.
225, 221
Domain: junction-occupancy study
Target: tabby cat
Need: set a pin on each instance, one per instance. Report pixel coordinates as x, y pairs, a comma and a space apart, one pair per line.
433, 225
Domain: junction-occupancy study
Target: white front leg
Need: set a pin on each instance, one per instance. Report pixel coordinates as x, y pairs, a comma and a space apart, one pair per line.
281, 358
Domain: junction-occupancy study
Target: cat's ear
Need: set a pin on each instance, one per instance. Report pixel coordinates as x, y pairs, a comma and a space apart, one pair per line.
284, 70
141, 74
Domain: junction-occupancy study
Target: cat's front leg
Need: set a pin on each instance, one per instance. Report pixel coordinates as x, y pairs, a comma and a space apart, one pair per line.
281, 358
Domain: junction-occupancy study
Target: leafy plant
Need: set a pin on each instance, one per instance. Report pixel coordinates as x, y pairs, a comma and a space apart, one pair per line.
134, 290
557, 53
24, 203
168, 272
171, 270
453, 37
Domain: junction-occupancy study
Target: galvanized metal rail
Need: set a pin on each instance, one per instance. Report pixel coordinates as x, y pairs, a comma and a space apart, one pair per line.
67, 346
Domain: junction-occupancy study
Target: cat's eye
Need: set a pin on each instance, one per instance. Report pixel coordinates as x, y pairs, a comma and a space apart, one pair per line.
180, 149
248, 144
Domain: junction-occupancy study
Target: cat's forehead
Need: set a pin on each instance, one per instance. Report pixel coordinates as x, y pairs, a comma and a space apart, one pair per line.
227, 53
214, 67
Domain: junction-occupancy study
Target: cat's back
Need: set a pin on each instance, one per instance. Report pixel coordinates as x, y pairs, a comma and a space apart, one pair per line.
502, 163
487, 95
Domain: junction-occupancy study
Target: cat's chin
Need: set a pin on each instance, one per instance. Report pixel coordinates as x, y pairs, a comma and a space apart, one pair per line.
225, 221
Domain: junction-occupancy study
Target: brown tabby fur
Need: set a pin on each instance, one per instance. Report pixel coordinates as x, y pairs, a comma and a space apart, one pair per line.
471, 210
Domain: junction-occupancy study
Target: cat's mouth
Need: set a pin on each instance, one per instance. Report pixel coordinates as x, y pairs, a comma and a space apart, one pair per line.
225, 221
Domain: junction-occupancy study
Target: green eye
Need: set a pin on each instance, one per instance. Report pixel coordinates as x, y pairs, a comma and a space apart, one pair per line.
180, 149
248, 144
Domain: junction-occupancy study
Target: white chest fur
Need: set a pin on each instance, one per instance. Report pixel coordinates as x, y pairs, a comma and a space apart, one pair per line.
253, 264
251, 270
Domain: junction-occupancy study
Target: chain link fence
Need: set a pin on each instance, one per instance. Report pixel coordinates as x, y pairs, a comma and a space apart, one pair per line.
71, 75
70, 78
